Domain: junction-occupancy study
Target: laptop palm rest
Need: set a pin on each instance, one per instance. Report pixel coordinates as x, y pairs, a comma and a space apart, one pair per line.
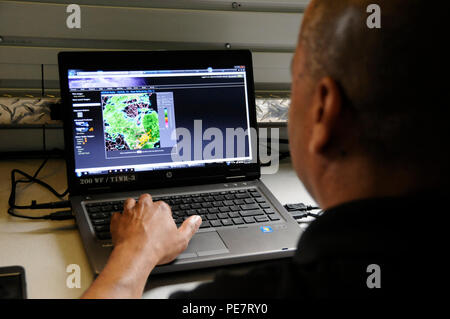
204, 244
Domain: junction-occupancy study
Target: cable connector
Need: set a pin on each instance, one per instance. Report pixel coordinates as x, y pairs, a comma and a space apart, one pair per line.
62, 215
300, 210
300, 206
60, 204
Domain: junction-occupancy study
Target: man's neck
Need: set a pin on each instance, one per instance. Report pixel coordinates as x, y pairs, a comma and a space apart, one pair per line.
357, 179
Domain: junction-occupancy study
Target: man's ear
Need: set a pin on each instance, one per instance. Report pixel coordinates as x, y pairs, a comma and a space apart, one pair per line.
327, 107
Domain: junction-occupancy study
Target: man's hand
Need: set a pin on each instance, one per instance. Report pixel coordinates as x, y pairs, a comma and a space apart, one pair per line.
148, 228
144, 236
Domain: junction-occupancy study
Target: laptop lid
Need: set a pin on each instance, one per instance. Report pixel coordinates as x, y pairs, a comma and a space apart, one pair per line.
135, 120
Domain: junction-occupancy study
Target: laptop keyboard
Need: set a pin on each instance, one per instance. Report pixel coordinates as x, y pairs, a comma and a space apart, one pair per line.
217, 209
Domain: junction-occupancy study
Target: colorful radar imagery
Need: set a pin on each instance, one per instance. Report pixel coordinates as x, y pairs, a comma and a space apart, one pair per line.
131, 121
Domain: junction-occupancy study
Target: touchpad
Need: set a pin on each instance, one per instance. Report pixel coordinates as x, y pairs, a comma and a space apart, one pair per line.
205, 244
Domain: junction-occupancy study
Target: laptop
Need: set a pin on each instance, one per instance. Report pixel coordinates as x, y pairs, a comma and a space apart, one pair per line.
181, 126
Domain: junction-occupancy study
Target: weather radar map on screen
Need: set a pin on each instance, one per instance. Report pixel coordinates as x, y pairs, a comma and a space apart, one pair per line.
130, 121
144, 120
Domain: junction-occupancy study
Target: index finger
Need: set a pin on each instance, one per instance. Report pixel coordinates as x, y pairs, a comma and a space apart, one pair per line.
128, 205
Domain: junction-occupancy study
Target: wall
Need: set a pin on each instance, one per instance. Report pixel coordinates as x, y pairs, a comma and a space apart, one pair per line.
32, 32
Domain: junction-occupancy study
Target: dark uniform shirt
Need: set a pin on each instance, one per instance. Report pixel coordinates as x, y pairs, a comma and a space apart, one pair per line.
396, 244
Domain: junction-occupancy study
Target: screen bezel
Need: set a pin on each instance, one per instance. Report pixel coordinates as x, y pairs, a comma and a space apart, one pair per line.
160, 60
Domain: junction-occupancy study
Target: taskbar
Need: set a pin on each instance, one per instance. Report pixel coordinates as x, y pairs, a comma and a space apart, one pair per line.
155, 167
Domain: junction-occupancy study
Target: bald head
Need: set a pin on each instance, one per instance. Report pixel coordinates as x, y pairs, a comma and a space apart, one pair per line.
390, 78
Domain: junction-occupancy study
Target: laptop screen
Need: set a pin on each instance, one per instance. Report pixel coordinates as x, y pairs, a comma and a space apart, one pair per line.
144, 120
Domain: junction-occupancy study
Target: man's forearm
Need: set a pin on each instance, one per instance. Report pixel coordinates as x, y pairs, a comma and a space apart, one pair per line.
124, 275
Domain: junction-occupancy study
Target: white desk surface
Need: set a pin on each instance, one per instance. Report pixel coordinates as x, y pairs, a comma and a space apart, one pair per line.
46, 248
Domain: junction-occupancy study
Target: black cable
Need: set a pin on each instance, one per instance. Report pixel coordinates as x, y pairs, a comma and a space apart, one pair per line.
44, 139
60, 215
31, 179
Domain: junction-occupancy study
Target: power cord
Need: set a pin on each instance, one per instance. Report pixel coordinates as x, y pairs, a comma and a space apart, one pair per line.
59, 215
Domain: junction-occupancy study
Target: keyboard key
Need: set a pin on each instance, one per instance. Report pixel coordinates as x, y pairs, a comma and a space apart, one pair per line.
249, 201
239, 202
234, 214
179, 213
102, 228
241, 196
93, 210
215, 223
261, 219
256, 212
227, 222
107, 208
213, 210
235, 208
205, 224
250, 206
211, 216
222, 215
224, 209
274, 217
96, 222
256, 194
100, 215
264, 205
238, 221
269, 211
249, 220
118, 207
104, 235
